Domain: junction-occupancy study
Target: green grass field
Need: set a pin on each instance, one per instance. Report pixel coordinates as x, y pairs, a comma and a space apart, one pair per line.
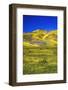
40, 60
40, 52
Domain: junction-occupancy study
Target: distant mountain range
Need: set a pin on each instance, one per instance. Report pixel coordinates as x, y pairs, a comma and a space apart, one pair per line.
40, 38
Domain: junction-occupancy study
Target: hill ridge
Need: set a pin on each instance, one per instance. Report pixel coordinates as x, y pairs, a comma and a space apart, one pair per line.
41, 37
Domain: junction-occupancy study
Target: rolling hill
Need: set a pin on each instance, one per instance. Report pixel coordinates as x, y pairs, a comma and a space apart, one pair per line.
40, 52
40, 38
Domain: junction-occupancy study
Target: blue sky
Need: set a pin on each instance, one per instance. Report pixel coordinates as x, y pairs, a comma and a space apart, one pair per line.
31, 22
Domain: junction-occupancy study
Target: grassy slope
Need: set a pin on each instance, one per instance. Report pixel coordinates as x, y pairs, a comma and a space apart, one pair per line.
40, 58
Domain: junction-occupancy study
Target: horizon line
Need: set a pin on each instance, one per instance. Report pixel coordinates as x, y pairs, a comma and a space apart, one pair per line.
42, 30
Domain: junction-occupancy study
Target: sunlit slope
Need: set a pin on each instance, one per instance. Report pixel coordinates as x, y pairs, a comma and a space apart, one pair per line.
28, 44
51, 37
40, 38
38, 34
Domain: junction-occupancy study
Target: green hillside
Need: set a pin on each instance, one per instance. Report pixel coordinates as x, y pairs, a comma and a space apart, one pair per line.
40, 52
